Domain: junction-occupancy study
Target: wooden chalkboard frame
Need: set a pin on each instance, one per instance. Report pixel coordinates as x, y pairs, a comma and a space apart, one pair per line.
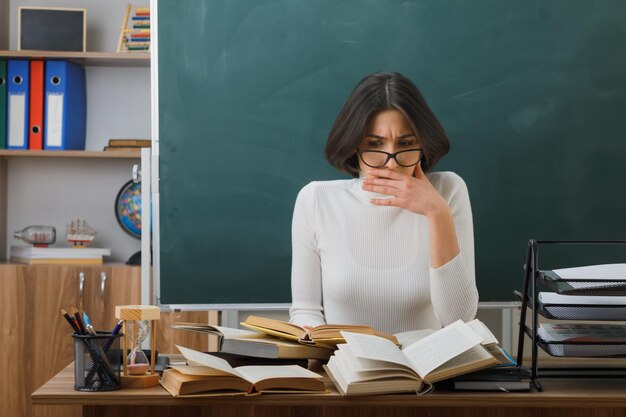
21, 16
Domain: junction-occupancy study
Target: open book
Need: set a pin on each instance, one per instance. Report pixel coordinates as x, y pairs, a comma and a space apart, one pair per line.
327, 335
255, 344
210, 375
368, 364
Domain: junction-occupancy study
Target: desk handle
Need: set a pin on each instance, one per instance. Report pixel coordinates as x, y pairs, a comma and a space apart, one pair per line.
81, 287
103, 280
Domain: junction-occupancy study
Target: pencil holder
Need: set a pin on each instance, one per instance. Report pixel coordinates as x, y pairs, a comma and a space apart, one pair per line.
97, 362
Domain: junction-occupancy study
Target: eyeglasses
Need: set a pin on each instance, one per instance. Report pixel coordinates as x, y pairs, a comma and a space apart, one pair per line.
378, 159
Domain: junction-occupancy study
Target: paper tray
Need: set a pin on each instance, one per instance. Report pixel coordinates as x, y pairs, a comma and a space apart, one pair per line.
584, 350
582, 287
591, 312
582, 312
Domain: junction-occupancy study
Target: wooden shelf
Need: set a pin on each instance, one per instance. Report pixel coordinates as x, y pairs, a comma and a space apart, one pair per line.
10, 153
104, 59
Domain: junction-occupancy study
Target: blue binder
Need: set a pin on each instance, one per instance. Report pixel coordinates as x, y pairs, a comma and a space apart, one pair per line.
17, 104
3, 104
65, 106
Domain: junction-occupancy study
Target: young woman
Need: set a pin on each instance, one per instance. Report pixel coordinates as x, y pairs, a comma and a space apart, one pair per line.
392, 248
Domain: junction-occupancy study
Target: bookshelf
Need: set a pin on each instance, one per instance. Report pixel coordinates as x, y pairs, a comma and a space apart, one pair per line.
54, 187
11, 153
103, 68
104, 59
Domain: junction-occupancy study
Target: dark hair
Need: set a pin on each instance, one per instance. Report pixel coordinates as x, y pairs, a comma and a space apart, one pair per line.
375, 93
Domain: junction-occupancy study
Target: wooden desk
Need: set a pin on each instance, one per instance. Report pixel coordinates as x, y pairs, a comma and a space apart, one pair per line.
574, 397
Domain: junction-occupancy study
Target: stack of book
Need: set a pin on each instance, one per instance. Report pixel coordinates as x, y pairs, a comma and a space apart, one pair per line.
362, 361
277, 352
73, 256
127, 145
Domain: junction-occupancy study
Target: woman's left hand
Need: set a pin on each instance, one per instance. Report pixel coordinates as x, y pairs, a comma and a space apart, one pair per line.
413, 193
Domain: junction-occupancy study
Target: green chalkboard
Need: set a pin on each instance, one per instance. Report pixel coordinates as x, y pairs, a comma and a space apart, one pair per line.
532, 94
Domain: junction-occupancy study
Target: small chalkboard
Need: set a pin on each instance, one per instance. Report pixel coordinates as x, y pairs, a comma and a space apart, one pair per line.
52, 29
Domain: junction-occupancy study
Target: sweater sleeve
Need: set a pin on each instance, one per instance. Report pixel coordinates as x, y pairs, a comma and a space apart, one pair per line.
306, 276
453, 286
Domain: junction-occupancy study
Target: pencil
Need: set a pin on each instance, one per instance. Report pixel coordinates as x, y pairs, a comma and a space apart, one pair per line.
71, 321
79, 320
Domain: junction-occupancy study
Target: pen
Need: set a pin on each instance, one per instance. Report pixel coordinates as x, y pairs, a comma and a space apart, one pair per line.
88, 324
114, 333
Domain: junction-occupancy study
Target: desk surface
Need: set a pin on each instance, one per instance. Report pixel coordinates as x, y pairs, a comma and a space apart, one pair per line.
558, 393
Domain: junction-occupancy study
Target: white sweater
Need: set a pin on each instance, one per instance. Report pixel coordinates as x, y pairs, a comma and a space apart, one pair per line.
357, 263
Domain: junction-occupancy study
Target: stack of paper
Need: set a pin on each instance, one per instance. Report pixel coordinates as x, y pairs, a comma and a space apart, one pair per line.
591, 277
583, 339
77, 256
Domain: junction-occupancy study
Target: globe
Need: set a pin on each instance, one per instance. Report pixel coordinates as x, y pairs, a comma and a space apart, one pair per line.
128, 208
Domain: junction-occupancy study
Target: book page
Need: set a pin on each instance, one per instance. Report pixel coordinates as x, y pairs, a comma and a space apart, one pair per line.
443, 345
468, 361
255, 374
367, 346
408, 338
358, 370
232, 333
226, 332
199, 358
277, 326
198, 370
483, 331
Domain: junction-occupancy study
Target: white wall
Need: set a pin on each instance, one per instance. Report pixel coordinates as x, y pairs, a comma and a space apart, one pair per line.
54, 191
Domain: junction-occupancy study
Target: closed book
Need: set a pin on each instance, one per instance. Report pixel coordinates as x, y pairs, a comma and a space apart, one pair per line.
495, 379
31, 252
255, 344
3, 104
504, 386
122, 149
57, 261
141, 143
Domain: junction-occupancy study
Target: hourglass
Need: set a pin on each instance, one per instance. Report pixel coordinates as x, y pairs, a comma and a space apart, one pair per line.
139, 322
